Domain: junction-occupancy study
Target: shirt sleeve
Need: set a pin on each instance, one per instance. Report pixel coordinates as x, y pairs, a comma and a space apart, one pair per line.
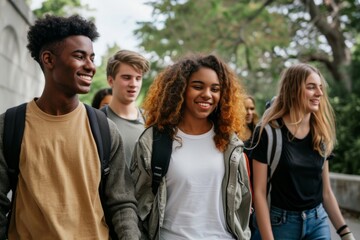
120, 192
259, 151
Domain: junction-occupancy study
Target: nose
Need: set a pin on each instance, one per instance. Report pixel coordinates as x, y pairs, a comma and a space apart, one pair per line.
319, 91
89, 65
132, 82
206, 93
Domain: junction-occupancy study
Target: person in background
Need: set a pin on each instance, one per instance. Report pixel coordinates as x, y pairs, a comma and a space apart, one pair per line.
301, 199
57, 195
102, 98
125, 71
205, 194
269, 102
251, 116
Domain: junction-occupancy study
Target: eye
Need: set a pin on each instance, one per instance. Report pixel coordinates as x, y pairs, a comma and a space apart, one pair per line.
79, 56
197, 87
311, 86
215, 89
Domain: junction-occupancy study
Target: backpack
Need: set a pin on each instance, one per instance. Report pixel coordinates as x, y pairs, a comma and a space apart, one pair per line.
14, 125
274, 149
273, 152
160, 156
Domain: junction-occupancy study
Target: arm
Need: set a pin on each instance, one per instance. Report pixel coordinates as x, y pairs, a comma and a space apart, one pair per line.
4, 184
260, 200
120, 191
331, 205
142, 176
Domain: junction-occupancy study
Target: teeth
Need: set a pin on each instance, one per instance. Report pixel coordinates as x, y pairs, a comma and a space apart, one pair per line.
204, 104
85, 77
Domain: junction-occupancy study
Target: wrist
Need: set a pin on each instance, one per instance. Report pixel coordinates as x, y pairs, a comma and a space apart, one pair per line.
341, 229
347, 236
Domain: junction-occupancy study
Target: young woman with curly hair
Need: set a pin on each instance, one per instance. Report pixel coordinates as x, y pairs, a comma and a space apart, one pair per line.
205, 194
301, 195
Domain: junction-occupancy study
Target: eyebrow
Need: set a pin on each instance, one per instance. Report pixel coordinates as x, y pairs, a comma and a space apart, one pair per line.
83, 52
311, 83
131, 75
201, 82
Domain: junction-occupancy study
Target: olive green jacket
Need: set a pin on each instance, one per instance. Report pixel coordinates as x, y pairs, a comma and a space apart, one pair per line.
235, 189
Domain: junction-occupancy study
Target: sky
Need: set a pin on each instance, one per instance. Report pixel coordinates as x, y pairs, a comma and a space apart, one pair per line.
115, 21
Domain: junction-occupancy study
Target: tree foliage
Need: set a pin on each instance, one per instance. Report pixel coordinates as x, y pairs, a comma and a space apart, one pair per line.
225, 27
61, 8
260, 38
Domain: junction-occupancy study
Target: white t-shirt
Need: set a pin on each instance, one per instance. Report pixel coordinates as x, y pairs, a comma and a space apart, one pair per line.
194, 208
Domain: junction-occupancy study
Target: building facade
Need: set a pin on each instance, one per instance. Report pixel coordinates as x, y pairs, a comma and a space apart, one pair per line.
21, 77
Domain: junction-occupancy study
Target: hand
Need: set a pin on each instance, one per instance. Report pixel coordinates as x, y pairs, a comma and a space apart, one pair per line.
348, 236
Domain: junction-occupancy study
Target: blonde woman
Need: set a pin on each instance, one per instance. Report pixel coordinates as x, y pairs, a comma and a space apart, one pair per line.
301, 195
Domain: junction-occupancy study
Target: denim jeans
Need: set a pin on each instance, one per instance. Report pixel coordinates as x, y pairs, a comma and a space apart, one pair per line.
291, 225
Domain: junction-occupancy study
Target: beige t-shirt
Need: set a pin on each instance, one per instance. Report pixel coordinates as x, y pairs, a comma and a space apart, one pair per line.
57, 195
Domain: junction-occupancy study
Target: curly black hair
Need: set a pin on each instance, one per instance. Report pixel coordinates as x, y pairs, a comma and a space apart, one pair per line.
51, 30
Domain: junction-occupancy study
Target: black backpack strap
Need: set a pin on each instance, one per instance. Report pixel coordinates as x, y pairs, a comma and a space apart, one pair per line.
101, 132
14, 125
104, 109
160, 158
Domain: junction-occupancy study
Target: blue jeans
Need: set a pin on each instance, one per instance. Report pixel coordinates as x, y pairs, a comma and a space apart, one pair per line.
291, 225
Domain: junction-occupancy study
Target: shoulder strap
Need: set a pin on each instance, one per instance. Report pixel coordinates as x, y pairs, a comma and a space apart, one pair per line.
273, 152
160, 158
104, 109
101, 132
14, 126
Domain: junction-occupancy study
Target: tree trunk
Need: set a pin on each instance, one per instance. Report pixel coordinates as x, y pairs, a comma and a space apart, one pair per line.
340, 60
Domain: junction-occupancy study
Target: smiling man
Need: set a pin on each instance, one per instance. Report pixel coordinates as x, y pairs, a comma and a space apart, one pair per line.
57, 194
125, 71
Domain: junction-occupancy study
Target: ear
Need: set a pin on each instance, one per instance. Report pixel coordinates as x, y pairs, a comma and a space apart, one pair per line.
110, 81
47, 59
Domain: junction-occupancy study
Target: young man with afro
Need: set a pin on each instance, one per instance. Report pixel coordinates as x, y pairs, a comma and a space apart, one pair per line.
57, 194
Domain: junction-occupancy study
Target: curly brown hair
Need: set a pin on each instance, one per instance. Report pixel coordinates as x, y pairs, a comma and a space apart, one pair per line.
164, 102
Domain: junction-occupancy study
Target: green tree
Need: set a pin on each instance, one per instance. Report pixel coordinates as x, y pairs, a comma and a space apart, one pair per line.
235, 30
323, 33
61, 8
260, 38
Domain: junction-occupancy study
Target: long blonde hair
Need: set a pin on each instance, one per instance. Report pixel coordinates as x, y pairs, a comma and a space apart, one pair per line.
289, 101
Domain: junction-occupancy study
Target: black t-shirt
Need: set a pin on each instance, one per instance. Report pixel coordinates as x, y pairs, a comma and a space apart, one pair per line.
297, 183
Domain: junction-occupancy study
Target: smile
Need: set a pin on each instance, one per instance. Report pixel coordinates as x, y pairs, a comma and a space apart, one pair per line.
85, 77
